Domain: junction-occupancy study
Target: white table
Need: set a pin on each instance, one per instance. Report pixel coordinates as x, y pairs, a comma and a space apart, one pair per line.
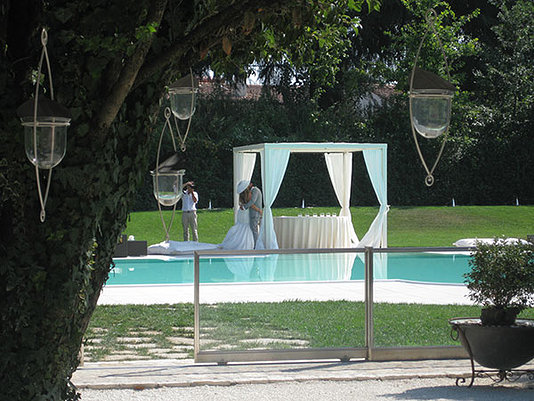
299, 232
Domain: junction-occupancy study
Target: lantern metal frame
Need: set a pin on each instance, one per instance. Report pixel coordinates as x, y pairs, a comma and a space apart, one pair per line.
442, 92
52, 122
156, 173
179, 88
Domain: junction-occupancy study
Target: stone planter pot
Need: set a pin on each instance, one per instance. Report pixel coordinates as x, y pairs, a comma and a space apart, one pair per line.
496, 347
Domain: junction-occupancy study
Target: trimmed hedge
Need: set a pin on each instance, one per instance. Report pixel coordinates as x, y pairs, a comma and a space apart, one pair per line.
480, 165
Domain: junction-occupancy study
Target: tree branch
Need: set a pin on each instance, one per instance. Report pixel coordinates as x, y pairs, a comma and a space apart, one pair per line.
205, 33
121, 88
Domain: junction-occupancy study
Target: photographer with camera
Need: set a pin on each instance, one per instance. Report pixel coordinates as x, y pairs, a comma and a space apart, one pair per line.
189, 211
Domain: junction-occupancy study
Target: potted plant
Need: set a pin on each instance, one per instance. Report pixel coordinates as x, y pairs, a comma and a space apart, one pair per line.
501, 280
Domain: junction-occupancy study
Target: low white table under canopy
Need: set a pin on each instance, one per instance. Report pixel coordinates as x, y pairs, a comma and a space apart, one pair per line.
321, 231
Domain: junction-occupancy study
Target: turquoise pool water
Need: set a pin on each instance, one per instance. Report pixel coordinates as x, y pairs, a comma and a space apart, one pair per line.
423, 267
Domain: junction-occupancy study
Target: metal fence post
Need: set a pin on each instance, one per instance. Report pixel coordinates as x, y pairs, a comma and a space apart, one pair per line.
196, 301
369, 329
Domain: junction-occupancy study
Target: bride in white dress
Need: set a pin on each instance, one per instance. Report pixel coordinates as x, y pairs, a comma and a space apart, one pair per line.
240, 236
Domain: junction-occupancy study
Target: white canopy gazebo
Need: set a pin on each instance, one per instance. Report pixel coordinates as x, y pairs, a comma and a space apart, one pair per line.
338, 156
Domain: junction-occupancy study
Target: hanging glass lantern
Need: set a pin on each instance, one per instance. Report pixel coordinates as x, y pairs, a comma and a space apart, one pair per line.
45, 128
168, 186
430, 102
47, 146
183, 94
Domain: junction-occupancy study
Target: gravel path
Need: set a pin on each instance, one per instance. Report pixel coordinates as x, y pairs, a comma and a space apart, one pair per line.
441, 389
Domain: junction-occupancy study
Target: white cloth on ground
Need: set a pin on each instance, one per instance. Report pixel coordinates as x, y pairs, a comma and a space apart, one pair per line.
471, 242
178, 247
239, 236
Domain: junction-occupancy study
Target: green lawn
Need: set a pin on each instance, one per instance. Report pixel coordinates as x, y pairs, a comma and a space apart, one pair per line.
245, 326
407, 226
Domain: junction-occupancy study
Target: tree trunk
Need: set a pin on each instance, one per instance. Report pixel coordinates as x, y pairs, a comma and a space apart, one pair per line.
52, 272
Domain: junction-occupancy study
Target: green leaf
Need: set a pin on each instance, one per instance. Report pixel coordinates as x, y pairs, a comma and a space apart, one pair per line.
352, 5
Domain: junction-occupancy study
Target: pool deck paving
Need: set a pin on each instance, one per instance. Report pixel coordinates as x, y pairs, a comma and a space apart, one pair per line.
384, 291
185, 373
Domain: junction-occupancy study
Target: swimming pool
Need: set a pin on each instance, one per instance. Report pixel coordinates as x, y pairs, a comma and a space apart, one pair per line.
421, 267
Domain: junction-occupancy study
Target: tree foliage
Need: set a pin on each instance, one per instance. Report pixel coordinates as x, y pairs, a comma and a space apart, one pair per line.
110, 61
489, 151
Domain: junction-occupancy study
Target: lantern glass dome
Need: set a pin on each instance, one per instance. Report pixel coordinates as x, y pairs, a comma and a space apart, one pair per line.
431, 113
50, 122
183, 95
168, 186
51, 141
430, 103
183, 102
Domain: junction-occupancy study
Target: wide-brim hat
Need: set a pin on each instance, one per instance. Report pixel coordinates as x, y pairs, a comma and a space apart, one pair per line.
242, 185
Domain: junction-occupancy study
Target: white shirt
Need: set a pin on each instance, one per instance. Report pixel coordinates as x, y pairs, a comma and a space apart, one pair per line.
187, 202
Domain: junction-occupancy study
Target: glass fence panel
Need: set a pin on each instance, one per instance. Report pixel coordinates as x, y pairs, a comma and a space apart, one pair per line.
281, 301
415, 294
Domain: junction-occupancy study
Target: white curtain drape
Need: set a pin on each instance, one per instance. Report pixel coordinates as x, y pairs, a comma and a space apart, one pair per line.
273, 161
243, 169
376, 163
339, 167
